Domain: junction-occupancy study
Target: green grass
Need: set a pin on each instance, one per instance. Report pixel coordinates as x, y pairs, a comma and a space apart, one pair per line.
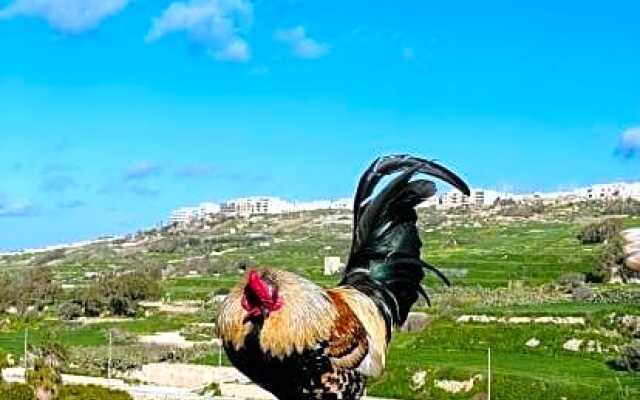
533, 252
492, 255
88, 335
564, 309
461, 351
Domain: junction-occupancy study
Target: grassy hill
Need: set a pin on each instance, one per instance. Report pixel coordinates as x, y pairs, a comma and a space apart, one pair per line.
501, 265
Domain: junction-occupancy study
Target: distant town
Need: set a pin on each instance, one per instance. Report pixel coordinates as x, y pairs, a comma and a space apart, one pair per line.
479, 198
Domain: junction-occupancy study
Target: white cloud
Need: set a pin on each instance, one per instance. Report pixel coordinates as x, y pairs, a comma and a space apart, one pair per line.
15, 208
215, 24
301, 45
68, 16
629, 145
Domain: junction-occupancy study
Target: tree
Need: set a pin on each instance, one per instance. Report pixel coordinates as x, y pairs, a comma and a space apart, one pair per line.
70, 310
45, 381
599, 232
34, 287
45, 378
4, 362
120, 293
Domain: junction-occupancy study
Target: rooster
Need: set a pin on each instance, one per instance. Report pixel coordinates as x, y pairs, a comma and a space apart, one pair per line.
302, 342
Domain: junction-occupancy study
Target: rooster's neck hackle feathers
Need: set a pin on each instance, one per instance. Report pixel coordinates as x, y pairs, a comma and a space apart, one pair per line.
306, 316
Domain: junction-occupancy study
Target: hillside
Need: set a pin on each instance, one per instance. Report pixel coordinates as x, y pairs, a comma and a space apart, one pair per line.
519, 278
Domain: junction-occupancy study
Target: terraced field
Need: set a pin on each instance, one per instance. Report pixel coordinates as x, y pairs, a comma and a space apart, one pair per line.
499, 267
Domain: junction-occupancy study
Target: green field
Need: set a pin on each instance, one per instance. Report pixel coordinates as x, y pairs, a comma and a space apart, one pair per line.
499, 267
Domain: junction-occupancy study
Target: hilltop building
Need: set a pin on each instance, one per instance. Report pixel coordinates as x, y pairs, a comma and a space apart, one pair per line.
604, 191
187, 214
256, 205
479, 198
610, 191
340, 204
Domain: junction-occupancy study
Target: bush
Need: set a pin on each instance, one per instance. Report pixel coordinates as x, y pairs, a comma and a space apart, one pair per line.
35, 287
70, 310
91, 392
165, 246
622, 206
4, 362
120, 293
583, 293
630, 357
570, 281
44, 380
617, 297
599, 232
16, 391
526, 210
611, 257
48, 257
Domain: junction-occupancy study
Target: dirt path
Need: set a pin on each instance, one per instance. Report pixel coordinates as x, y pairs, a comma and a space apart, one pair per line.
230, 391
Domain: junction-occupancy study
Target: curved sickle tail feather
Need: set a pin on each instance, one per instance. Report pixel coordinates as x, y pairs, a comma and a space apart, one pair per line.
384, 261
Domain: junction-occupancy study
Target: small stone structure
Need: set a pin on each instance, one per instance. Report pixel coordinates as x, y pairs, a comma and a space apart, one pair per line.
332, 265
533, 343
416, 322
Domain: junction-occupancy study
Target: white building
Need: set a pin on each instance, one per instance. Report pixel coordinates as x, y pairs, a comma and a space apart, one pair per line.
256, 205
339, 204
187, 214
607, 191
478, 198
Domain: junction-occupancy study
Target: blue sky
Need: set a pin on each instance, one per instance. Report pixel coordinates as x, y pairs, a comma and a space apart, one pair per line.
113, 112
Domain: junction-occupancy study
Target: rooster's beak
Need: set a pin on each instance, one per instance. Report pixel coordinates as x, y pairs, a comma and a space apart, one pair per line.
264, 312
251, 317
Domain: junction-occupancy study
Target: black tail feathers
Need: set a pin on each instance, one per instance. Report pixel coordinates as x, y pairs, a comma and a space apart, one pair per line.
385, 259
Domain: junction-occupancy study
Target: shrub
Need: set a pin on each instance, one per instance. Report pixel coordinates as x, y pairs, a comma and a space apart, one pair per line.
35, 287
526, 210
583, 293
48, 257
120, 293
599, 232
213, 389
70, 310
16, 391
164, 246
630, 357
571, 281
622, 206
610, 258
617, 297
4, 362
92, 392
44, 380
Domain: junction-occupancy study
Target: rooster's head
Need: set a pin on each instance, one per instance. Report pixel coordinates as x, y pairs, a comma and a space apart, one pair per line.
260, 297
